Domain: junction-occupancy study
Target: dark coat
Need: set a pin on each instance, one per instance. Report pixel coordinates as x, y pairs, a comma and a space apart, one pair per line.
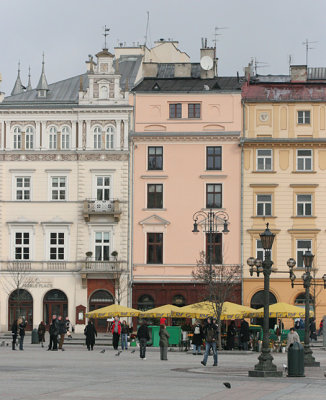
230, 337
210, 333
90, 333
244, 331
143, 332
54, 328
21, 328
197, 338
14, 328
164, 337
125, 329
62, 327
41, 332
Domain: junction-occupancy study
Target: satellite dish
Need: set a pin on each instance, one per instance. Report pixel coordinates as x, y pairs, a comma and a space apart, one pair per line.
206, 63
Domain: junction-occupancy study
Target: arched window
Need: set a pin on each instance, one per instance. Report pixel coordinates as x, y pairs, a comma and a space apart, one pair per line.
53, 138
104, 92
109, 137
97, 137
65, 138
55, 303
17, 138
145, 302
21, 305
300, 301
179, 300
29, 138
257, 300
100, 298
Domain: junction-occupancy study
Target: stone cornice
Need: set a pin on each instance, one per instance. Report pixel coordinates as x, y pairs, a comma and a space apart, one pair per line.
275, 142
71, 156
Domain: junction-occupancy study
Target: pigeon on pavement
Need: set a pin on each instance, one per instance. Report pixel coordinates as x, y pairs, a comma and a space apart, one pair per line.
102, 351
133, 351
118, 353
227, 385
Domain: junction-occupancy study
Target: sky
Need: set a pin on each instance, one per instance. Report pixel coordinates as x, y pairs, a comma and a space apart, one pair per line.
68, 30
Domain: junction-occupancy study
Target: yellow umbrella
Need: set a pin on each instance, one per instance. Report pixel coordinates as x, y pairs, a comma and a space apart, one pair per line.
159, 312
206, 309
282, 310
115, 310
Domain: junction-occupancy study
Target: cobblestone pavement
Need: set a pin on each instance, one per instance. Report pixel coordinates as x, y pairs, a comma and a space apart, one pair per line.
79, 374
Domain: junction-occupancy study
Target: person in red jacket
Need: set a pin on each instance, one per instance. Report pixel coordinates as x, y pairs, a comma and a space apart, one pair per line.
116, 331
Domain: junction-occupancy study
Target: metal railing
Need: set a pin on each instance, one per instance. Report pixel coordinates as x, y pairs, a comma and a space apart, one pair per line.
102, 206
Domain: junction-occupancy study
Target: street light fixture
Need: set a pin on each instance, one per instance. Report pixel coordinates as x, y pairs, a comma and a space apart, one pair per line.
265, 366
308, 257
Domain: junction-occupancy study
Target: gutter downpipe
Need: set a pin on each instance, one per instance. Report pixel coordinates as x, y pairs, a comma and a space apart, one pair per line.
241, 208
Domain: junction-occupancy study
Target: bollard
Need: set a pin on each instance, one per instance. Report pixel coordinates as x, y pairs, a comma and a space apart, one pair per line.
296, 360
35, 337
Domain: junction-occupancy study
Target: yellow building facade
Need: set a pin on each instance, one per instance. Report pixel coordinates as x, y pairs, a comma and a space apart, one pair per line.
283, 183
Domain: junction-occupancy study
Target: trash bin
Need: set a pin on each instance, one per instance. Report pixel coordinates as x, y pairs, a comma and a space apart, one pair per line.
35, 337
296, 360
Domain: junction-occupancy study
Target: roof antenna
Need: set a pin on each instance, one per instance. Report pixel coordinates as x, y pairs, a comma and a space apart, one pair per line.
306, 43
105, 34
147, 26
217, 28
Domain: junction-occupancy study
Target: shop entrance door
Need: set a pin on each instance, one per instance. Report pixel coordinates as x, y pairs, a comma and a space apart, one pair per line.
99, 299
21, 305
55, 303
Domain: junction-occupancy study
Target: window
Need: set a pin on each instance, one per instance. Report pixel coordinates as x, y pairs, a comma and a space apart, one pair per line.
109, 138
175, 110
145, 302
17, 138
97, 138
264, 160
216, 247
303, 117
304, 160
154, 248
155, 158
103, 188
214, 158
22, 246
29, 138
102, 246
65, 138
53, 138
57, 246
302, 246
264, 205
58, 188
304, 205
260, 252
23, 188
194, 110
154, 196
213, 195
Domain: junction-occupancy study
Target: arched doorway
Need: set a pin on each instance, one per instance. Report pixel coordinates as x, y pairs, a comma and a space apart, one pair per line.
20, 305
145, 302
100, 298
55, 303
257, 301
179, 300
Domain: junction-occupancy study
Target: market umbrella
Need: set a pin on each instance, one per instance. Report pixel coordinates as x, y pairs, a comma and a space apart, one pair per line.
205, 309
281, 310
159, 312
115, 310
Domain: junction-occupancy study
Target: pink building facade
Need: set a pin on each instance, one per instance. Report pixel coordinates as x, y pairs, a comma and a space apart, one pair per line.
185, 157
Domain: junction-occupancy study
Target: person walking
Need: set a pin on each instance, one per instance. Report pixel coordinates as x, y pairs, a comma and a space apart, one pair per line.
124, 335
90, 333
211, 336
313, 333
116, 331
320, 332
41, 333
292, 337
164, 342
68, 328
62, 332
21, 330
54, 332
244, 335
143, 337
197, 338
14, 333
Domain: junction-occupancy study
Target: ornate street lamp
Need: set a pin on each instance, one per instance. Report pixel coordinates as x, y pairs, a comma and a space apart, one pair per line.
265, 366
308, 257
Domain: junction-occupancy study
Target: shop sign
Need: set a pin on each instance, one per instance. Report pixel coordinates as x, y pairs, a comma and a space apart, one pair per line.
37, 283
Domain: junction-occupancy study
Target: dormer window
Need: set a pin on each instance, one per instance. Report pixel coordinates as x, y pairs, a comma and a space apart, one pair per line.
109, 137
53, 138
104, 92
41, 93
17, 138
97, 138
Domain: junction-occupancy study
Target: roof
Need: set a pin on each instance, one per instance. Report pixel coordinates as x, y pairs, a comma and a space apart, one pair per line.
128, 69
188, 84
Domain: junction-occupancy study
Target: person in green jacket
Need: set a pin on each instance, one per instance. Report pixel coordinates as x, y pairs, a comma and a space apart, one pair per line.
164, 342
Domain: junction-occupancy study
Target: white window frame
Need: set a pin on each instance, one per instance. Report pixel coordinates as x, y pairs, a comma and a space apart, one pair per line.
304, 204
58, 175
15, 188
22, 245
49, 228
97, 137
99, 227
260, 252
17, 138
304, 158
24, 228
264, 203
53, 138
102, 245
264, 157
304, 117
29, 138
301, 249
102, 175
65, 138
109, 137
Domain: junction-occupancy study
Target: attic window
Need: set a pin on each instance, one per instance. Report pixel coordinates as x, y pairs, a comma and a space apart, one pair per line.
42, 93
156, 87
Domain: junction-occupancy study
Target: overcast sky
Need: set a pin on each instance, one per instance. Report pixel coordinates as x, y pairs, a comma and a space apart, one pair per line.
68, 30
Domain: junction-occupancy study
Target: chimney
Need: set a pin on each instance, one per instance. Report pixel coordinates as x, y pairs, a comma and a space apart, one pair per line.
298, 73
208, 61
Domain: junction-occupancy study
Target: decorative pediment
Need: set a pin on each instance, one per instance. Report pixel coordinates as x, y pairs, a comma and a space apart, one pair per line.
214, 127
155, 128
154, 220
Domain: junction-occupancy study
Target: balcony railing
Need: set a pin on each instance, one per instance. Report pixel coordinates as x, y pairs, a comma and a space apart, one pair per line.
101, 266
101, 207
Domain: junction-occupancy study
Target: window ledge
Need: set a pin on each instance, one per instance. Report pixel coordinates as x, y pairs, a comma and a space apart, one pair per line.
153, 176
263, 216
153, 209
303, 216
211, 176
304, 172
263, 172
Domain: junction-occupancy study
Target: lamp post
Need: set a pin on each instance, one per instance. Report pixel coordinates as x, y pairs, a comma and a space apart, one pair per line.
308, 257
265, 366
211, 221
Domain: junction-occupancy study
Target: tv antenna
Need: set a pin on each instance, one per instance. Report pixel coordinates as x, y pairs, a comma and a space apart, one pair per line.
258, 64
147, 26
216, 29
307, 44
105, 34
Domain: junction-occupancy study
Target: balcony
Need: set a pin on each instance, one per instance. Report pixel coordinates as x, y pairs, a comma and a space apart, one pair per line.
101, 207
16, 267
111, 267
